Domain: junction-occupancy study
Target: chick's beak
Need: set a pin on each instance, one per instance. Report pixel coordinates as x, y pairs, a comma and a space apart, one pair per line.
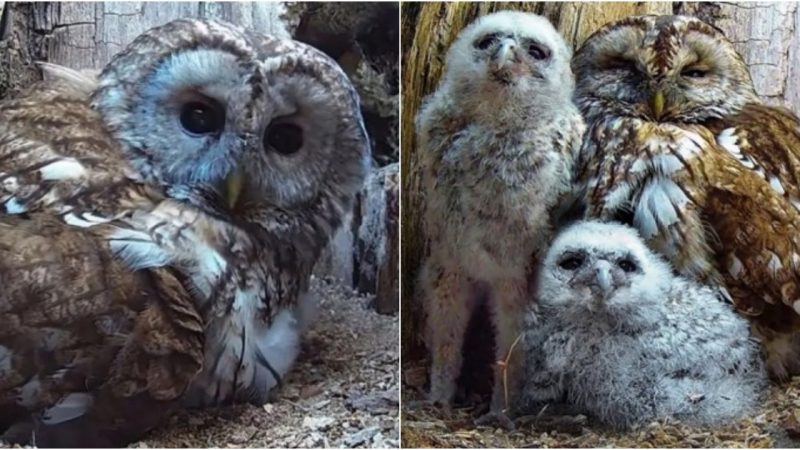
234, 183
603, 279
657, 104
505, 53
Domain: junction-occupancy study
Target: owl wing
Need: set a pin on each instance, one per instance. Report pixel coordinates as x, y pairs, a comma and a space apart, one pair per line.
757, 240
95, 351
53, 147
754, 231
766, 140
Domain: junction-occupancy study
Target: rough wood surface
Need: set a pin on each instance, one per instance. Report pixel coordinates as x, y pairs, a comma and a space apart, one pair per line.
87, 35
765, 34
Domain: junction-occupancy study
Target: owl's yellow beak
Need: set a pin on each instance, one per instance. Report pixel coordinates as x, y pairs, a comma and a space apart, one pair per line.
234, 183
657, 104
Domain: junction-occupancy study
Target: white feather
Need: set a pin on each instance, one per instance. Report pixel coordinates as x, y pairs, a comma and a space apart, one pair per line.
776, 184
727, 139
28, 393
64, 169
658, 205
84, 82
774, 264
70, 407
137, 249
13, 206
735, 268
10, 184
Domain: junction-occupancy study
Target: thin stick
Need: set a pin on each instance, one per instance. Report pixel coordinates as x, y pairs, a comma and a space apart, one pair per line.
504, 365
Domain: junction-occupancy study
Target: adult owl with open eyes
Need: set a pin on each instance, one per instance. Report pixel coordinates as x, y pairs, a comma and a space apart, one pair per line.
159, 225
679, 145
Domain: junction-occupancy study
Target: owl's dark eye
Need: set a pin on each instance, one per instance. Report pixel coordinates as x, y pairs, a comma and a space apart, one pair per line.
538, 52
202, 117
694, 73
627, 265
284, 138
571, 262
484, 42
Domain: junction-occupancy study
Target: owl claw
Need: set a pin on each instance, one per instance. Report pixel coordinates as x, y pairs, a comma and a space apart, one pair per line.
496, 418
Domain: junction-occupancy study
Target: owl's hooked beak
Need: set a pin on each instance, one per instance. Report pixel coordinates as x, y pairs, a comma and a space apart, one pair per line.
657, 104
603, 279
505, 53
234, 183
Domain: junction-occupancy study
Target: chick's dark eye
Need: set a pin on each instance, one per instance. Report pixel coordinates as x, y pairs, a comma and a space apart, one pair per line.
202, 118
284, 138
538, 52
627, 265
484, 42
694, 73
571, 263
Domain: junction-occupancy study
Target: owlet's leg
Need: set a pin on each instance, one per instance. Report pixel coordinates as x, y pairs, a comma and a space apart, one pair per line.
449, 306
508, 299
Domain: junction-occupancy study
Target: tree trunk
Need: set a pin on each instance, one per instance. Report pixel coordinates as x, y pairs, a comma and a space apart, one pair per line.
764, 33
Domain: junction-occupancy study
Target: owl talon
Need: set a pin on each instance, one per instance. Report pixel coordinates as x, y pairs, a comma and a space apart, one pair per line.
495, 418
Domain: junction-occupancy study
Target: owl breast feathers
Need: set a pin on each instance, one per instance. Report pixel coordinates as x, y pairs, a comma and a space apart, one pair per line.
160, 227
679, 146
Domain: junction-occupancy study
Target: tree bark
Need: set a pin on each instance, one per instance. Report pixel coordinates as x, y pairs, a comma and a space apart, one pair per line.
764, 33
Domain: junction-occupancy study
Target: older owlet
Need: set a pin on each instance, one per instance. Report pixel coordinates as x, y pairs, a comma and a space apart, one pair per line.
619, 337
497, 140
160, 227
680, 147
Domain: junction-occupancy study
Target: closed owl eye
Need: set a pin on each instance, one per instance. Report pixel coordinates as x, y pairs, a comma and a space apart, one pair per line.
695, 72
285, 138
617, 63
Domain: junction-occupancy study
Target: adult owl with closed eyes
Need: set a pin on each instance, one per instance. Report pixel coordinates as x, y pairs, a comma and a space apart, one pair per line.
159, 225
679, 145
497, 140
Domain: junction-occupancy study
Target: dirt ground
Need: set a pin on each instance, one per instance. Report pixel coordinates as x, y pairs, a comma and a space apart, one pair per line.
342, 392
772, 426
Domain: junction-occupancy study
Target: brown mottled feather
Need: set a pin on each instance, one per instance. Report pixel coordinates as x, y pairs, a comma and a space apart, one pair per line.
770, 137
680, 145
79, 320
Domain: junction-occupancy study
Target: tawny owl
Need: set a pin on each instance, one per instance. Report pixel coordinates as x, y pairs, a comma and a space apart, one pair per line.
497, 141
161, 223
619, 337
679, 145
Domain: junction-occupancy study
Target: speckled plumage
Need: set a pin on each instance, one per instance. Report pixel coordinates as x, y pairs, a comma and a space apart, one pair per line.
496, 140
679, 146
617, 336
110, 165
